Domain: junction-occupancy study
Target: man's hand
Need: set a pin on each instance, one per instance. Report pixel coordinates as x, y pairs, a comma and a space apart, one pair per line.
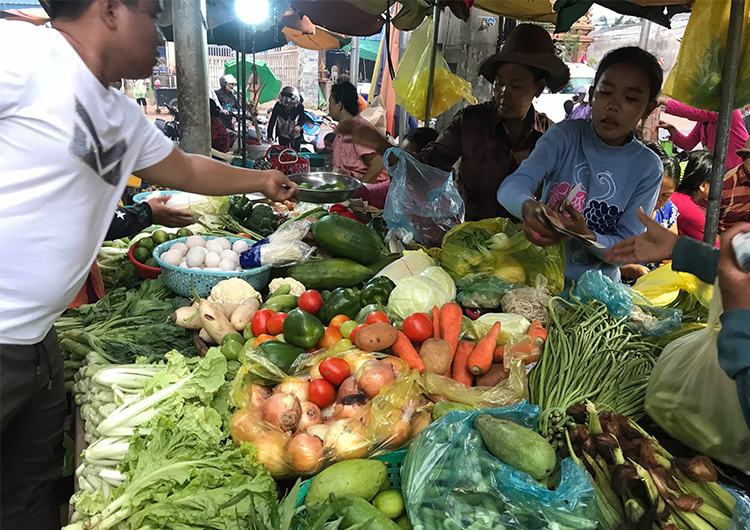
633, 271
277, 186
733, 281
164, 215
356, 133
653, 246
536, 231
662, 100
669, 127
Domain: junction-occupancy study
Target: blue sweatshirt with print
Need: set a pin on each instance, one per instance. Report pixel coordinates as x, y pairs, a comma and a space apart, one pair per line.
616, 181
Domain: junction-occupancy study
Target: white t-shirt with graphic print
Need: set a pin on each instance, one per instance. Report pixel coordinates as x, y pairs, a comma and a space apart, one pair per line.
67, 147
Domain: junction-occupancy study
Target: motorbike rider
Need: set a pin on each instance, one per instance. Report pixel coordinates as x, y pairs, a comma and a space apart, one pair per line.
287, 118
227, 99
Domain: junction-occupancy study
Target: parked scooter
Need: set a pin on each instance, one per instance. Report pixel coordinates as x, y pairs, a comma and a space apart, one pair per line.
313, 131
171, 129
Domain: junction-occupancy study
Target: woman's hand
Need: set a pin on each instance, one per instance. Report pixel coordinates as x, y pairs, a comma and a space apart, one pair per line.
671, 128
653, 246
662, 100
633, 271
534, 229
164, 215
353, 132
574, 221
733, 281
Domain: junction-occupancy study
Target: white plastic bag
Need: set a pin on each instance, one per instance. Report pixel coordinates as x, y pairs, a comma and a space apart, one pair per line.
695, 401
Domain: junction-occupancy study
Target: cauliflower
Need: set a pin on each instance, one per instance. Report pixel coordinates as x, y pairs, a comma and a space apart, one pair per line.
297, 287
233, 291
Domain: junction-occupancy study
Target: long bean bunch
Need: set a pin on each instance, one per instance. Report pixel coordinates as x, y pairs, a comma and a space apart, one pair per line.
589, 355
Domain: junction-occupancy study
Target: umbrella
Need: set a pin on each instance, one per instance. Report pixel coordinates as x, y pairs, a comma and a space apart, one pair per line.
319, 39
265, 85
568, 11
340, 16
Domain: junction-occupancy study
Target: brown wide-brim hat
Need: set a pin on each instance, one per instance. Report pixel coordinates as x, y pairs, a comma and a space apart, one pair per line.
530, 45
744, 153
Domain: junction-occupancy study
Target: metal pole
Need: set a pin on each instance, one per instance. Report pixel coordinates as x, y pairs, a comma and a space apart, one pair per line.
191, 57
433, 59
726, 107
354, 63
403, 39
645, 32
243, 98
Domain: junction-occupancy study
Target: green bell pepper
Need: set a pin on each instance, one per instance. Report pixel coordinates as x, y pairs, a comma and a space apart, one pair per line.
279, 353
302, 329
377, 291
341, 301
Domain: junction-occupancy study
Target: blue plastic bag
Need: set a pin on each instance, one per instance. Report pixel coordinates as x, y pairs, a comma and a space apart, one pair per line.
421, 199
741, 515
451, 481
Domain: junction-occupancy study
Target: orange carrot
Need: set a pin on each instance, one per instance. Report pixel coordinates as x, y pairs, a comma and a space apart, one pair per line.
537, 330
481, 358
498, 355
436, 322
405, 350
450, 324
461, 371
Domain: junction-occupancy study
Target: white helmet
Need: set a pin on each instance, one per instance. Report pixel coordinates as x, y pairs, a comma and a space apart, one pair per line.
289, 97
229, 78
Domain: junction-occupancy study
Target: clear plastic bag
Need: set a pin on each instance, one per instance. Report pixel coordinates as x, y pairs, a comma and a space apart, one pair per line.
695, 401
450, 481
421, 200
474, 291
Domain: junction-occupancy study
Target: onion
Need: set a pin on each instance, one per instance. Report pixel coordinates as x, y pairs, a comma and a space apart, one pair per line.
327, 412
375, 376
311, 415
346, 440
357, 359
305, 452
318, 430
390, 430
348, 386
419, 422
349, 406
258, 396
315, 372
283, 411
329, 421
271, 446
245, 427
399, 366
294, 386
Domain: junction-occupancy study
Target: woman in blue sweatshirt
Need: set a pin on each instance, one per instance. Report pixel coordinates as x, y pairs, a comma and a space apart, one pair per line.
617, 174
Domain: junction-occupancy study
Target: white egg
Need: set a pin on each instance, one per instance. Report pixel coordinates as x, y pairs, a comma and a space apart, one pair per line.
212, 260
227, 265
230, 255
198, 268
173, 257
213, 269
214, 246
195, 256
183, 264
240, 246
180, 247
195, 241
225, 244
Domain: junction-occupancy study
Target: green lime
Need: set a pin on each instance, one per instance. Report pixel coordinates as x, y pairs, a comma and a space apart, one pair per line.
390, 502
305, 186
146, 243
231, 350
403, 523
141, 254
339, 186
172, 236
159, 237
151, 262
236, 337
347, 327
184, 232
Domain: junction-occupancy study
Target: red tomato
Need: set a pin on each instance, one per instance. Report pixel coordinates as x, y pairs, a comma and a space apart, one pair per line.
377, 316
338, 320
262, 338
259, 323
355, 331
330, 337
310, 301
334, 370
321, 392
275, 324
418, 327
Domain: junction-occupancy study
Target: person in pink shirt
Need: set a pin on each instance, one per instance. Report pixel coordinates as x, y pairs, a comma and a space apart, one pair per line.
705, 130
693, 188
362, 163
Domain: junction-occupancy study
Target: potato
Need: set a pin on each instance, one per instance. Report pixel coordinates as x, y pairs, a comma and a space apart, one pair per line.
376, 337
494, 375
436, 354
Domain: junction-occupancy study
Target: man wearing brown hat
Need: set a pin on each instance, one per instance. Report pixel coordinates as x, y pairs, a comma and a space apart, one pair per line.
735, 194
493, 138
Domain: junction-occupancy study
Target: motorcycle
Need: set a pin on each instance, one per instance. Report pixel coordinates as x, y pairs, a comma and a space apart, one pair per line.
171, 129
314, 129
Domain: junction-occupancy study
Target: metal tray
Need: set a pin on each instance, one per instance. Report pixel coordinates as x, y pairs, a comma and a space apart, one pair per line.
319, 178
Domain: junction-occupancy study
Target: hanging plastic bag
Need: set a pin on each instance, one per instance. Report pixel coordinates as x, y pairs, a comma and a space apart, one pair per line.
412, 77
450, 480
421, 200
695, 401
696, 77
497, 247
662, 286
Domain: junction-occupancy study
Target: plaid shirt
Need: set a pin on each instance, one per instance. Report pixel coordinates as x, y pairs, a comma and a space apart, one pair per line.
735, 199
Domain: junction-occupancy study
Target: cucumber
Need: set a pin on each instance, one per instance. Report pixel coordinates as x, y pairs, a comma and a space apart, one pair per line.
358, 477
357, 511
347, 238
517, 446
330, 273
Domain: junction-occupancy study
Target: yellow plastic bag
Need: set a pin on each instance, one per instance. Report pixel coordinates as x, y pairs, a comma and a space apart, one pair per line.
412, 74
662, 286
696, 77
497, 247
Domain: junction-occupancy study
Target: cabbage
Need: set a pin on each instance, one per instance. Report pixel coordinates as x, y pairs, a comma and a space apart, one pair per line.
511, 326
420, 293
411, 264
199, 204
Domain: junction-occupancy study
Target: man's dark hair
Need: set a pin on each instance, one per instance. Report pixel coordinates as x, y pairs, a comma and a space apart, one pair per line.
421, 136
697, 171
343, 78
346, 94
72, 9
638, 57
330, 137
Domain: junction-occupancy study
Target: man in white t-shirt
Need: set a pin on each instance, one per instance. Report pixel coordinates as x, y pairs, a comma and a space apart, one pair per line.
67, 148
